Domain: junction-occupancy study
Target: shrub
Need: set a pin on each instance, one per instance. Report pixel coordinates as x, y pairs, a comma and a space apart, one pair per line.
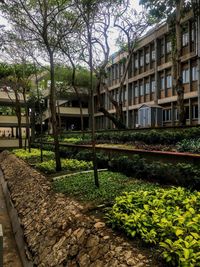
164, 137
73, 140
167, 217
34, 155
67, 164
191, 145
102, 159
180, 174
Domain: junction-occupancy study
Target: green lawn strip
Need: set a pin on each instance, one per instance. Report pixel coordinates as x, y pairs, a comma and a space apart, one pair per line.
111, 185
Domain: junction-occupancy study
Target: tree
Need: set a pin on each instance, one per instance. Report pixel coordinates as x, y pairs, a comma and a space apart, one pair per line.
173, 11
131, 25
16, 77
42, 21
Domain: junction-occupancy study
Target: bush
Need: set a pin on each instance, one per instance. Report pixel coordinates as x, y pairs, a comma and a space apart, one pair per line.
34, 155
67, 165
191, 145
72, 140
180, 174
102, 159
167, 217
164, 137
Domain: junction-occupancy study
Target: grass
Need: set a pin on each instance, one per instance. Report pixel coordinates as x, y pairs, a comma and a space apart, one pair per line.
112, 184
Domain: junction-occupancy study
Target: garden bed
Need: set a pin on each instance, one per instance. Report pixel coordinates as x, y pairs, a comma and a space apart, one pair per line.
57, 230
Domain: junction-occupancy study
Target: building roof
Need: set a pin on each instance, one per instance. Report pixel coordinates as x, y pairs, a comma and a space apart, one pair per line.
150, 105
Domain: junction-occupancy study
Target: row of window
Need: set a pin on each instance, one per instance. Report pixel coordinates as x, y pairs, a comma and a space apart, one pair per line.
167, 113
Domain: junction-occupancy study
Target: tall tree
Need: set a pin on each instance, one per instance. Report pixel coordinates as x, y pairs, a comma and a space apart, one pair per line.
41, 20
173, 11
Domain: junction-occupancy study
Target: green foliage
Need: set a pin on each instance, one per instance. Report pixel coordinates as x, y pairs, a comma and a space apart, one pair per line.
111, 184
73, 140
166, 217
34, 155
102, 159
180, 174
67, 165
189, 145
150, 136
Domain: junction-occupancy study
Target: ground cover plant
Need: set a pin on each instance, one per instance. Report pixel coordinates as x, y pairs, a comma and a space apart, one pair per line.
111, 185
166, 217
67, 165
34, 156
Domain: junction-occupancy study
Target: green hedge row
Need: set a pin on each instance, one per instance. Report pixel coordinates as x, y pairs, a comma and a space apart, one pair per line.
180, 174
151, 136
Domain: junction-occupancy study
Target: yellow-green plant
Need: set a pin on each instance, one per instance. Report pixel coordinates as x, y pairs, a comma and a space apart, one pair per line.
167, 217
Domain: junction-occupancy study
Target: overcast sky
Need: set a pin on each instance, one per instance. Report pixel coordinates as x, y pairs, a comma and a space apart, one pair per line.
114, 48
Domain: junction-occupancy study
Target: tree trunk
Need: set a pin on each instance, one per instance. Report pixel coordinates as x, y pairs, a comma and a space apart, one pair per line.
177, 72
53, 113
19, 117
96, 179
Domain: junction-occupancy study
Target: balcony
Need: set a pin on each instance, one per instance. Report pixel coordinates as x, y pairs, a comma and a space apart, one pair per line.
9, 121
9, 98
67, 112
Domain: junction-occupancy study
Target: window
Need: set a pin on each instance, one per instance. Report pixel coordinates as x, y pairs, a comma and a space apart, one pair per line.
185, 39
141, 60
136, 63
162, 83
162, 48
169, 81
195, 112
176, 114
194, 73
153, 55
167, 115
141, 90
153, 84
147, 88
187, 112
147, 58
185, 76
116, 71
136, 91
192, 35
169, 47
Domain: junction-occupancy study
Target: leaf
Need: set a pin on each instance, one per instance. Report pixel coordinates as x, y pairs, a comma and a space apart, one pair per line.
186, 253
179, 232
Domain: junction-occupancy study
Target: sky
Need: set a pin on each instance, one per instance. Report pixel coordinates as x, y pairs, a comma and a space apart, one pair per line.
134, 4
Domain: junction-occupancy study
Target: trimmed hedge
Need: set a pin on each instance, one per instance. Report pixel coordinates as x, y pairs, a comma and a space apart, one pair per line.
180, 174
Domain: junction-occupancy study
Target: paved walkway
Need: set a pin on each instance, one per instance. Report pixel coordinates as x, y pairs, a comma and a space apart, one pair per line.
10, 255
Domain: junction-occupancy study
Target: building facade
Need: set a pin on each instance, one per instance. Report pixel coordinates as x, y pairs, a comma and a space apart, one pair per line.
148, 89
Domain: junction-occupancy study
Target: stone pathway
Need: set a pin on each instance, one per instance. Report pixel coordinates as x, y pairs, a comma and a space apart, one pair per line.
10, 256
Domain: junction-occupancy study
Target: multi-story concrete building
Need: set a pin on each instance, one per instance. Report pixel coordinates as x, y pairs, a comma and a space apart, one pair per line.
68, 111
9, 129
148, 96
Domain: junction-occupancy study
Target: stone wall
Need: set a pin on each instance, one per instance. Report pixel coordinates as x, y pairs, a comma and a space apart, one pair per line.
56, 230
